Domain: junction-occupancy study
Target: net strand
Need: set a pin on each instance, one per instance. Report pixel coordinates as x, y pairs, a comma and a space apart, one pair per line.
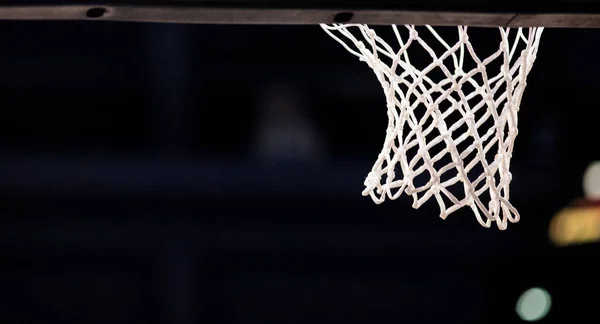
422, 128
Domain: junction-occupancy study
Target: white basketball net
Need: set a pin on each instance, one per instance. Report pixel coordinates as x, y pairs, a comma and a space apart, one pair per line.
455, 128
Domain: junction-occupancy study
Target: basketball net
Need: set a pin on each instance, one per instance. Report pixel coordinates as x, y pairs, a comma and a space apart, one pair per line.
456, 129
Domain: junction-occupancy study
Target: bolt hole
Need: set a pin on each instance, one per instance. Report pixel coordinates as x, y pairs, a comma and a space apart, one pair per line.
343, 17
95, 12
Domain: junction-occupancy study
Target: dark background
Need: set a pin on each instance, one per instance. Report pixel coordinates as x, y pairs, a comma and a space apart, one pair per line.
133, 189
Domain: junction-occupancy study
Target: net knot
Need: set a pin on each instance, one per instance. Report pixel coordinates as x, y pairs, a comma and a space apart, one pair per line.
413, 34
372, 33
391, 174
372, 180
469, 117
503, 155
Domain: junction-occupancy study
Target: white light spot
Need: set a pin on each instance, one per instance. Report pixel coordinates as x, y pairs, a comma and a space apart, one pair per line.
591, 181
533, 304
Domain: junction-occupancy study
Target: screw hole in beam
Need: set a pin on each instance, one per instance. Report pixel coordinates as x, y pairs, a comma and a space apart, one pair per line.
343, 17
95, 13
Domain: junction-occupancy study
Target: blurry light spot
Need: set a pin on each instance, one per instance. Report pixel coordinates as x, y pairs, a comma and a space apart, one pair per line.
575, 225
591, 181
533, 304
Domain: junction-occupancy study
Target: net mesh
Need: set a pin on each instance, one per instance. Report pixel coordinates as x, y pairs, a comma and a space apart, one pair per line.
452, 121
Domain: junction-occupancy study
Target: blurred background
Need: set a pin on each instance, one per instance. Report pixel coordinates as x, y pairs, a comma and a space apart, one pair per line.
212, 174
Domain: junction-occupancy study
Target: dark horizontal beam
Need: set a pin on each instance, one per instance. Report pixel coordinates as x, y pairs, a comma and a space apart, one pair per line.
202, 13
